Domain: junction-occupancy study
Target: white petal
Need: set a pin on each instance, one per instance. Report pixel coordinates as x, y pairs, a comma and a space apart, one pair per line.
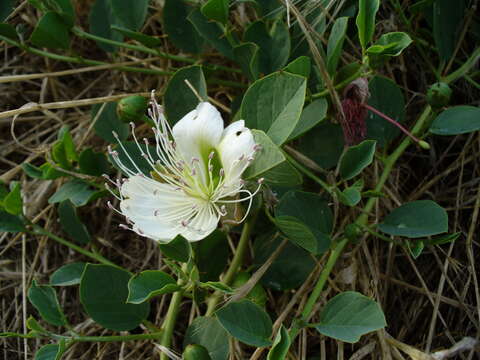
202, 225
198, 132
148, 204
236, 146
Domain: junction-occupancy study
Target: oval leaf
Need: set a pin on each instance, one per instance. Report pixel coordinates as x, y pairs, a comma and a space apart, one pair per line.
247, 322
416, 219
148, 284
44, 299
350, 315
274, 104
208, 332
281, 344
179, 99
104, 292
457, 120
72, 224
67, 275
367, 10
357, 158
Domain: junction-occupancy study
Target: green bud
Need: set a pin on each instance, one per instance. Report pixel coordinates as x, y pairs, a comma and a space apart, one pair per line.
424, 145
132, 108
352, 232
439, 95
195, 352
257, 294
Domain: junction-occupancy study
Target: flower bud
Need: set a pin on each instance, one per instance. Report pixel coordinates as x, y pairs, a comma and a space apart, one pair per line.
132, 108
195, 352
438, 95
352, 232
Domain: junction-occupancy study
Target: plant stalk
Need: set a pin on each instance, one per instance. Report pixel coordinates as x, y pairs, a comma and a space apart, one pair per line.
234, 265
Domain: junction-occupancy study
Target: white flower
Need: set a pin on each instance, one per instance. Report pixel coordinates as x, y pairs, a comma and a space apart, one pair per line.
196, 169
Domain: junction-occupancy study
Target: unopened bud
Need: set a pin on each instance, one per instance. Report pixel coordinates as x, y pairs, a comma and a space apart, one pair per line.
438, 95
132, 108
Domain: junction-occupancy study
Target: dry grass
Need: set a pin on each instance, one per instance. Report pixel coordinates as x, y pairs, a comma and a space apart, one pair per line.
430, 303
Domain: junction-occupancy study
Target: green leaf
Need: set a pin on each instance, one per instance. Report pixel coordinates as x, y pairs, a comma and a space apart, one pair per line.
179, 99
72, 224
6, 8
33, 325
257, 294
273, 104
130, 13
312, 114
416, 219
442, 239
280, 346
10, 223
289, 270
100, 19
267, 158
300, 66
247, 322
387, 97
335, 43
8, 30
44, 299
63, 8
77, 191
212, 32
51, 32
51, 351
323, 144
179, 29
13, 203
367, 10
457, 120
246, 55
93, 163
352, 195
350, 315
216, 10
390, 44
357, 158
210, 267
207, 332
32, 170
178, 249
448, 17
150, 283
67, 275
284, 174
415, 247
146, 40
273, 43
306, 219
104, 292
108, 121
65, 137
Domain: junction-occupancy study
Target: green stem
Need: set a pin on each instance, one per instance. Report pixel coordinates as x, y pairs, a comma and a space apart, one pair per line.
308, 173
131, 337
317, 290
38, 230
79, 60
234, 265
79, 32
361, 220
356, 75
462, 70
171, 317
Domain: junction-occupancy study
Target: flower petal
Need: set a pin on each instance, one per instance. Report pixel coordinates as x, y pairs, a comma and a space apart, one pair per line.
202, 225
197, 133
236, 146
